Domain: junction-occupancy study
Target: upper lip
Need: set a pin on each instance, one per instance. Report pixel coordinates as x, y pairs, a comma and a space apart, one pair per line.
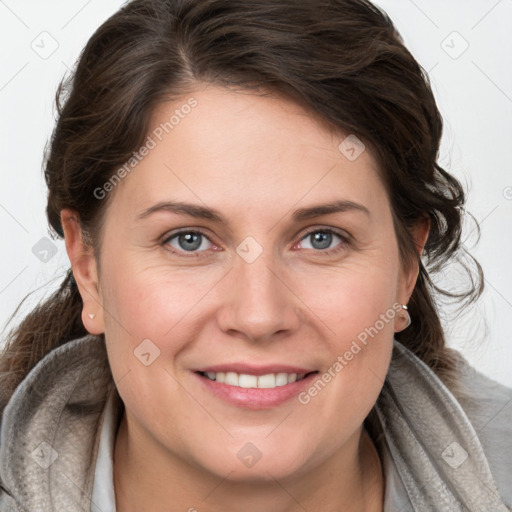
253, 370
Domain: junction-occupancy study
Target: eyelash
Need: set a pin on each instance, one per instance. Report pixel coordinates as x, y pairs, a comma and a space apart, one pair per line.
345, 240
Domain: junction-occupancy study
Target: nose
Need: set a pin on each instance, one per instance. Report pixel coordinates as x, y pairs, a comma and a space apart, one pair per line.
258, 303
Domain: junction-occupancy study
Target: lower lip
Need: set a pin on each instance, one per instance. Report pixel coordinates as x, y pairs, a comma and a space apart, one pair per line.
256, 398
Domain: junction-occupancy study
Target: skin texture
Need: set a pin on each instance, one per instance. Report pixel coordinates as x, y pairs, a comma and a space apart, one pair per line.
255, 160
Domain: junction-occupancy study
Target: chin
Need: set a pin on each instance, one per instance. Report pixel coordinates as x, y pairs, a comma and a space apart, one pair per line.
248, 464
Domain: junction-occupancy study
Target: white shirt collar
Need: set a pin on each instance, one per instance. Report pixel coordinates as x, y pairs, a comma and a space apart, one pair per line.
103, 495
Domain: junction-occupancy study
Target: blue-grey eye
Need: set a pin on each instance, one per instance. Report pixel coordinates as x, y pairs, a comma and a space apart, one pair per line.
188, 241
320, 239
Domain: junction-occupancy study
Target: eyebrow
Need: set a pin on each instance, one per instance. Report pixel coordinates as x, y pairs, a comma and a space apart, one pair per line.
201, 212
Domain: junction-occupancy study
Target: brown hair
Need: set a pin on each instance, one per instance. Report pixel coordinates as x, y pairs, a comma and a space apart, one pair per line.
342, 59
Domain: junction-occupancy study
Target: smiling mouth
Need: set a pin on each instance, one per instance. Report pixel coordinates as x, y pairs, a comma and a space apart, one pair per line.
247, 381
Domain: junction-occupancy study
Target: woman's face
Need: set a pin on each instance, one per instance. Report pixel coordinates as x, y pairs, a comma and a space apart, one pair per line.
267, 277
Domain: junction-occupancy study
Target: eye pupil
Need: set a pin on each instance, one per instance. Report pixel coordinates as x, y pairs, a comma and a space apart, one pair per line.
190, 238
323, 238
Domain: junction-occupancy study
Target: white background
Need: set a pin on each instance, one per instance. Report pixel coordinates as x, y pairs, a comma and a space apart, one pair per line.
474, 94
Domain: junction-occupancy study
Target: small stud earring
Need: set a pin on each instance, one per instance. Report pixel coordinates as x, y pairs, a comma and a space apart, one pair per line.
91, 315
406, 317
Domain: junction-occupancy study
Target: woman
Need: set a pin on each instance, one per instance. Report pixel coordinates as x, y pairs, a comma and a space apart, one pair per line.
251, 203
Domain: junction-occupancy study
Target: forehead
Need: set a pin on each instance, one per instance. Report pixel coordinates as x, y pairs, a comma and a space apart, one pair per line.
228, 147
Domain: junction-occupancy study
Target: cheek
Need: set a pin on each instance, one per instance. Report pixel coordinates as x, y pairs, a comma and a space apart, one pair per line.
152, 316
142, 314
353, 297
149, 302
358, 309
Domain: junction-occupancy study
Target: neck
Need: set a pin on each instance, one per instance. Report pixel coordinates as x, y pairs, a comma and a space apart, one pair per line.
147, 477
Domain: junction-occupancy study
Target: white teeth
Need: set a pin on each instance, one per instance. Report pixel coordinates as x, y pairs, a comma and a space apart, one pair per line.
243, 380
247, 381
267, 381
231, 379
281, 379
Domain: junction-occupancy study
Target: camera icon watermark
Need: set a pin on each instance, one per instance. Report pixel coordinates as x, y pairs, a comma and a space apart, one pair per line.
454, 455
45, 45
249, 249
44, 455
147, 352
44, 250
351, 147
249, 455
454, 45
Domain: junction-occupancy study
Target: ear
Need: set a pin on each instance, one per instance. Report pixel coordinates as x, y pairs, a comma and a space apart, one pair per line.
409, 276
85, 271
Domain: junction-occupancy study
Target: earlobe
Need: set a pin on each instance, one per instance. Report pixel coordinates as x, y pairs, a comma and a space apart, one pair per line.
404, 317
85, 272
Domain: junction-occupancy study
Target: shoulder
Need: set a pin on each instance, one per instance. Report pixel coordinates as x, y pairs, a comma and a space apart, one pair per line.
488, 406
487, 403
451, 443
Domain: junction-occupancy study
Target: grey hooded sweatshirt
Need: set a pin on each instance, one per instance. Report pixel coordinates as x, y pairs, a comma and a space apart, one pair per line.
440, 452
